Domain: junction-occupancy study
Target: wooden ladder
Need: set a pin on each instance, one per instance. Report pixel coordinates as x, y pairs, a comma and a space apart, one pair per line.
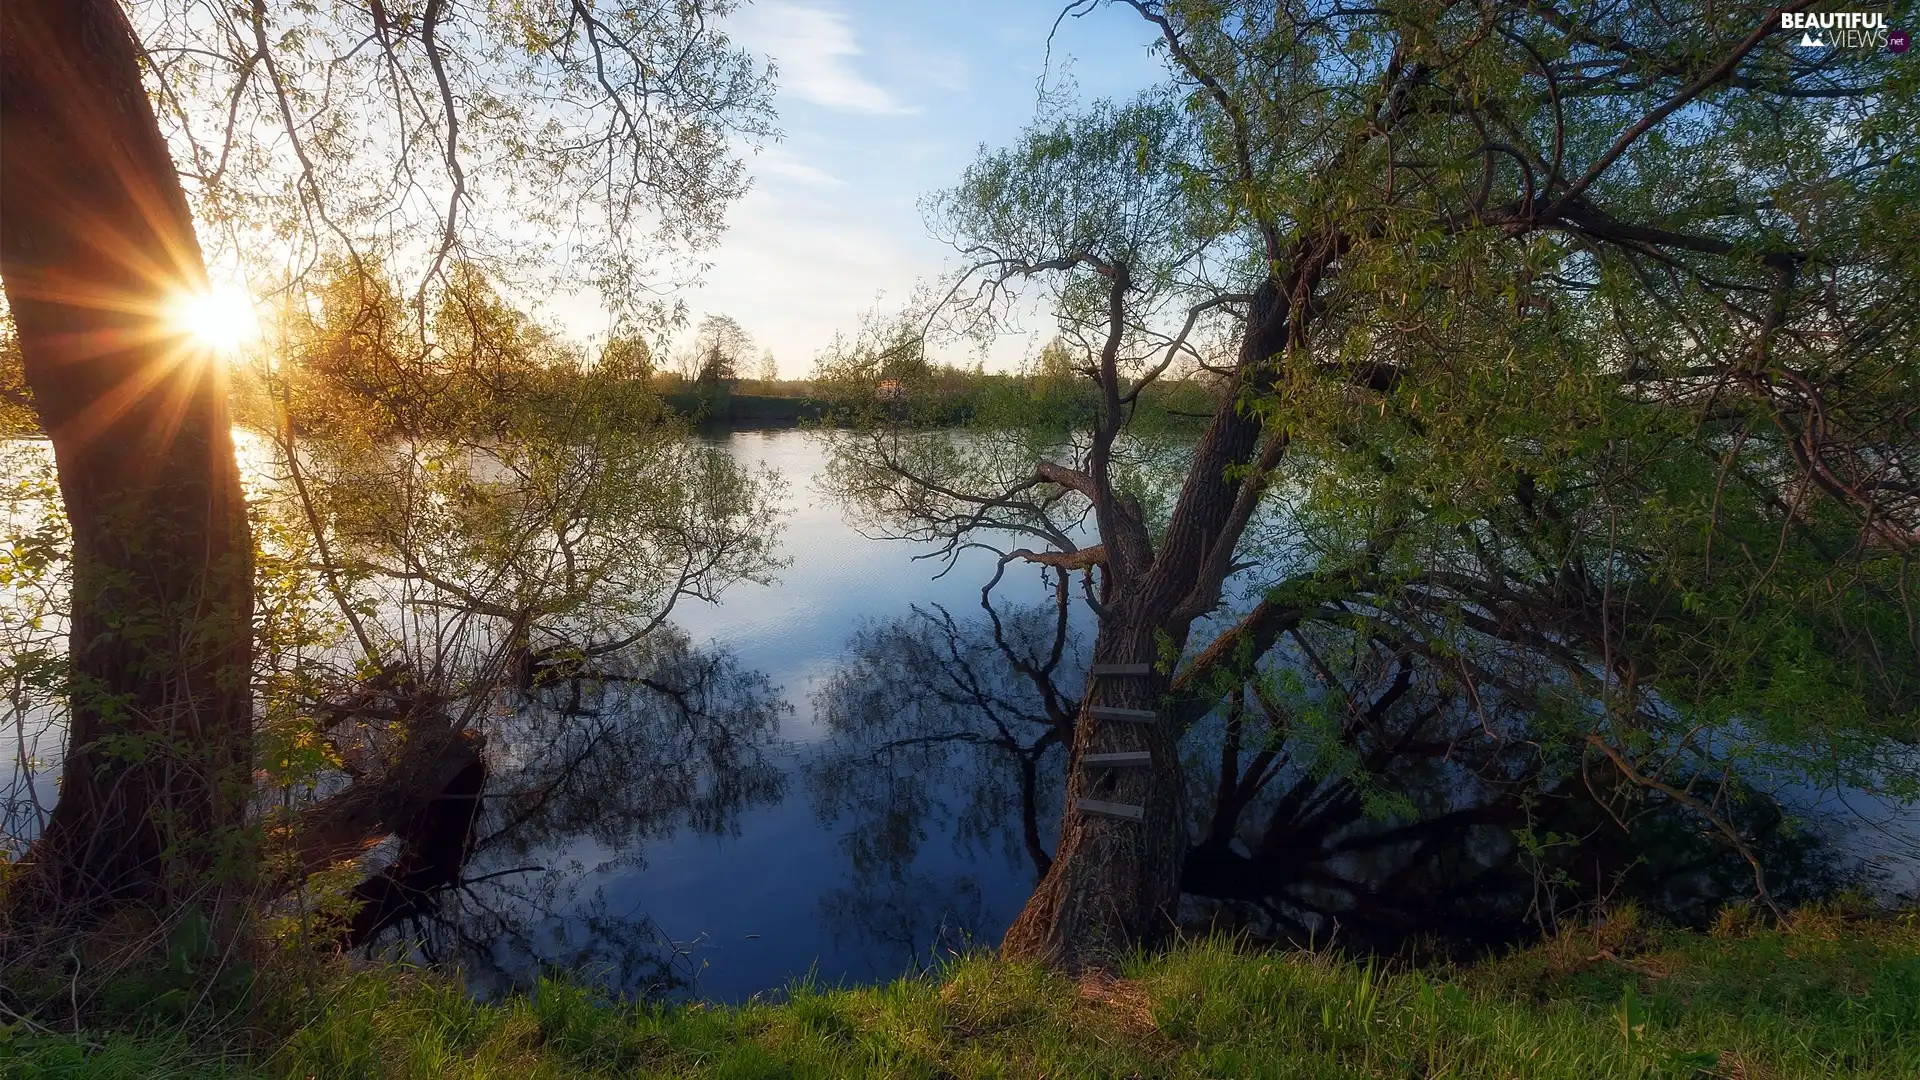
1123, 759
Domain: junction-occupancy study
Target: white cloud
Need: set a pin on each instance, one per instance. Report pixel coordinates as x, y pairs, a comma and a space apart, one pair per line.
929, 68
774, 161
795, 270
813, 44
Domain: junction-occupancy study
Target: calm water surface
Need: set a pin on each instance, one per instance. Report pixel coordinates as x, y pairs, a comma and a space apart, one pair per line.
755, 908
724, 878
785, 893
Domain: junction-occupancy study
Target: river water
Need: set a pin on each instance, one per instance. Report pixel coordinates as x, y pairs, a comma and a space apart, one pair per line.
775, 895
692, 870
904, 858
690, 864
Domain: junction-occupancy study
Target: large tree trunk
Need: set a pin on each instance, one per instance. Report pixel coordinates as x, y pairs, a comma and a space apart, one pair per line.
436, 841
95, 236
1114, 884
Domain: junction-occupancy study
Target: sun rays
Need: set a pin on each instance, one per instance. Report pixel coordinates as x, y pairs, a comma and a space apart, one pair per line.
220, 319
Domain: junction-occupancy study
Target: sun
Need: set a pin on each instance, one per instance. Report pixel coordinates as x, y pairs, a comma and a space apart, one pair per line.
221, 319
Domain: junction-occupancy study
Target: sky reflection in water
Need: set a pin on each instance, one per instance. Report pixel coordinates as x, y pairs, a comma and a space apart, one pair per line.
779, 894
748, 907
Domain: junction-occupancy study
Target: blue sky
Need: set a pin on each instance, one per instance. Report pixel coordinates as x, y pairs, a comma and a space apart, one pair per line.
881, 102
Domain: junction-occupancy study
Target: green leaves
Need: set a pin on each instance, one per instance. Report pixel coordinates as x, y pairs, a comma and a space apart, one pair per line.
1632, 1020
190, 943
1077, 195
557, 156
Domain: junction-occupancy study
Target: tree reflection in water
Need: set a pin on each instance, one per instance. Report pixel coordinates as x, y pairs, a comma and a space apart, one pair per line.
1341, 791
591, 765
938, 729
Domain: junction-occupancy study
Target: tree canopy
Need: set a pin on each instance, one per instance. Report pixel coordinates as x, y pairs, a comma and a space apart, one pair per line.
403, 181
556, 143
1559, 351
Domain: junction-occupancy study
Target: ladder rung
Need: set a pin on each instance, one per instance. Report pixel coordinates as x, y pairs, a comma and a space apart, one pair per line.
1113, 712
1123, 811
1123, 669
1130, 757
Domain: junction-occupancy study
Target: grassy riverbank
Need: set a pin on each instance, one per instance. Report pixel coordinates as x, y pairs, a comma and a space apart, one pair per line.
1833, 997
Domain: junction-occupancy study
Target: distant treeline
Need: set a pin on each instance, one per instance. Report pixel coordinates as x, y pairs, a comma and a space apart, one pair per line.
749, 404
942, 397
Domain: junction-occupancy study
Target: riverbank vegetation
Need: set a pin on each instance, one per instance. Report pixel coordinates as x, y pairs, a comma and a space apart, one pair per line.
849, 388
241, 655
1479, 439
1530, 465
1834, 995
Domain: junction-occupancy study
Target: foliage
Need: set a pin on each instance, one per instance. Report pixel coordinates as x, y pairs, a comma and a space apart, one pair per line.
1555, 353
466, 537
16, 400
561, 145
486, 462
625, 357
34, 586
479, 515
1832, 997
721, 347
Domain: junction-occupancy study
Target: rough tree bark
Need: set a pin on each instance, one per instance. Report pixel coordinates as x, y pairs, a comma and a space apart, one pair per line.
1114, 884
95, 236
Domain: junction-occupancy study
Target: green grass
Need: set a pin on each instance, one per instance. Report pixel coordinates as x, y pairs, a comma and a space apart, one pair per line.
1833, 997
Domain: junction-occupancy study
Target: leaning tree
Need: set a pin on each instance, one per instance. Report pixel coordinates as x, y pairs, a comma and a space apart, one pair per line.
95, 240
581, 138
1553, 350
